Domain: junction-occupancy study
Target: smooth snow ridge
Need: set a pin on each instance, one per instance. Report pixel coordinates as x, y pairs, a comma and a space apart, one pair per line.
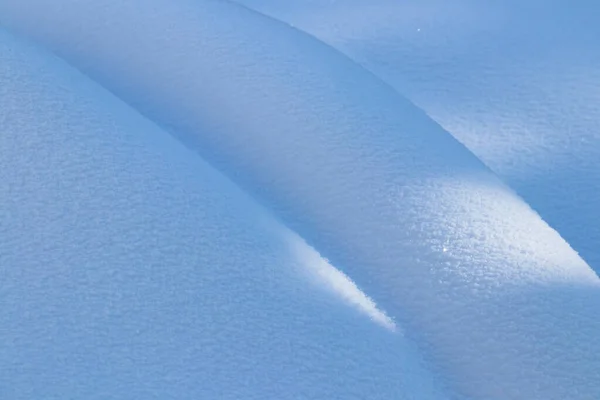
131, 269
515, 81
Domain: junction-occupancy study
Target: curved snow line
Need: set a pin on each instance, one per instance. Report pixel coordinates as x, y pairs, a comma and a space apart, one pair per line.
385, 82
529, 115
500, 303
334, 279
132, 269
323, 273
320, 271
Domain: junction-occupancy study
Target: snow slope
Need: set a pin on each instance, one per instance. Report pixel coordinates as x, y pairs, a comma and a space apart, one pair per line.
515, 81
500, 305
131, 269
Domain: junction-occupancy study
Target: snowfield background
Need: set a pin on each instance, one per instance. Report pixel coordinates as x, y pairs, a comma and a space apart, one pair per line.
300, 199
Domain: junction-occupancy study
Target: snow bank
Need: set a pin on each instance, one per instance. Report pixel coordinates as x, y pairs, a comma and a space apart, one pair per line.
515, 81
131, 269
500, 304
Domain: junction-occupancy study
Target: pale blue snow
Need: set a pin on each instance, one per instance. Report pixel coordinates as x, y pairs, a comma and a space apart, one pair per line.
515, 80
131, 269
136, 266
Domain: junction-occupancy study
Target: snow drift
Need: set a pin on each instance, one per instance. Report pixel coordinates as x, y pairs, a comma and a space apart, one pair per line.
515, 81
497, 301
131, 269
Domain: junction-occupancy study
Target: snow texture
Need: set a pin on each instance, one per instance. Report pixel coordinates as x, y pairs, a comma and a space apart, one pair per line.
131, 269
497, 303
515, 81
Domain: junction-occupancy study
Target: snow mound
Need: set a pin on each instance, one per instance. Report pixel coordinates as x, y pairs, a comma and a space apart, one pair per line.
515, 81
131, 269
497, 301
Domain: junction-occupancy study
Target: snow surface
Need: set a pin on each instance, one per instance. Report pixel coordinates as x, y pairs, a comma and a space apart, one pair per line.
131, 269
516, 81
498, 305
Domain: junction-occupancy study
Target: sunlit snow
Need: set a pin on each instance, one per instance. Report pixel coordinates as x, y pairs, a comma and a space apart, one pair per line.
299, 199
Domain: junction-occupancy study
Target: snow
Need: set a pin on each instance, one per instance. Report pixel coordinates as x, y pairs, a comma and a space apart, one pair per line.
132, 269
515, 81
319, 162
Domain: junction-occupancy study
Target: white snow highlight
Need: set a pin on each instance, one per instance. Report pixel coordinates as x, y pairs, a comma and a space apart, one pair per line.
323, 273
